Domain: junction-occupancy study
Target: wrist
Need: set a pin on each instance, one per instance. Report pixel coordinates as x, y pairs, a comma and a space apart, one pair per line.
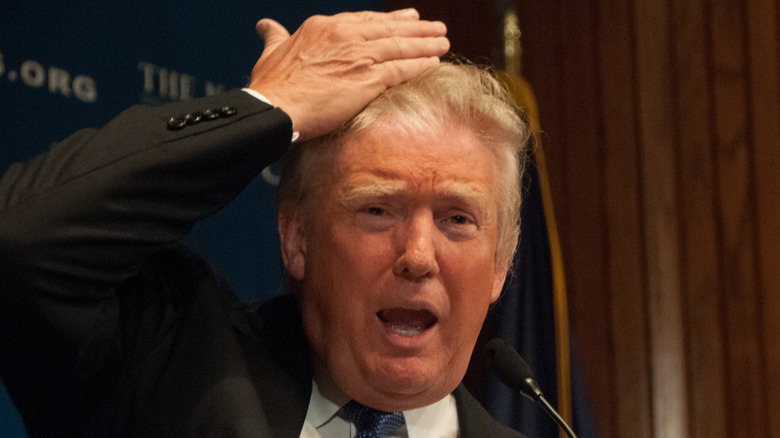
263, 98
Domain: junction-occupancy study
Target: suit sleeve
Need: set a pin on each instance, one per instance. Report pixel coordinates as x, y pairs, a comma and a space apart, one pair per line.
83, 218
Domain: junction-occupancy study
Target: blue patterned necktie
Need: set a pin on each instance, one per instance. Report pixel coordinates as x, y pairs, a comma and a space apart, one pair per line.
371, 423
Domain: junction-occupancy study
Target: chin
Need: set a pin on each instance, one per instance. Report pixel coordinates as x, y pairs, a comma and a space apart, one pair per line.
401, 386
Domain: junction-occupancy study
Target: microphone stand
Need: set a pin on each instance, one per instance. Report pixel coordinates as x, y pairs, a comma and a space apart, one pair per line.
536, 395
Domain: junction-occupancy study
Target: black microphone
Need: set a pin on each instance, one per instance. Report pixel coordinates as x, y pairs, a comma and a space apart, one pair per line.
512, 370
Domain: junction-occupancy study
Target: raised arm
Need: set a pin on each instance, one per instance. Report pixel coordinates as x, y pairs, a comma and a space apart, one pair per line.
83, 219
84, 216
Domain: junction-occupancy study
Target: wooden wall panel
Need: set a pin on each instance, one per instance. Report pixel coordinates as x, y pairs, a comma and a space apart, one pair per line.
657, 145
736, 202
582, 163
705, 99
630, 415
765, 128
701, 274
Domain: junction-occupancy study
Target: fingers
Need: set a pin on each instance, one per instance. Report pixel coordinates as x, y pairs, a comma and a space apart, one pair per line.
387, 49
272, 32
395, 72
400, 28
405, 14
374, 25
399, 14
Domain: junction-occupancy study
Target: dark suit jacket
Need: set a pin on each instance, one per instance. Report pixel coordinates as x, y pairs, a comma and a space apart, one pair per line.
108, 326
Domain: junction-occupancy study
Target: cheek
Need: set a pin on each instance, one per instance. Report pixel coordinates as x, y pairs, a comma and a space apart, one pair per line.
342, 270
470, 306
330, 314
360, 256
471, 288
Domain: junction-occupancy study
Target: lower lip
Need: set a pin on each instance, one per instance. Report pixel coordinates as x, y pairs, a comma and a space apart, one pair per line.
408, 341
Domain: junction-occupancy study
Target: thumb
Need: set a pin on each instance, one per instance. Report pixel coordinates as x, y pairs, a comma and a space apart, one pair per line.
272, 32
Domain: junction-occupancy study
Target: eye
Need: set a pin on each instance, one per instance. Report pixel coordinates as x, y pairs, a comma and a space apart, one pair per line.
373, 219
458, 227
459, 220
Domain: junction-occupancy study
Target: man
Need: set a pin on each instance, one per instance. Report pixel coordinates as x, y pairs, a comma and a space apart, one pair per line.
396, 232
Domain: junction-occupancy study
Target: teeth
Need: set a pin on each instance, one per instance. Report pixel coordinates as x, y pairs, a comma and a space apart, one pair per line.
406, 330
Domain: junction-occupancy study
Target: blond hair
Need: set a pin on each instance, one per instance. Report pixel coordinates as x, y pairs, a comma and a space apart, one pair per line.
429, 102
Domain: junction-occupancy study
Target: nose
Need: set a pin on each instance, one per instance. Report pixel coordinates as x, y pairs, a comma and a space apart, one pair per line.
416, 259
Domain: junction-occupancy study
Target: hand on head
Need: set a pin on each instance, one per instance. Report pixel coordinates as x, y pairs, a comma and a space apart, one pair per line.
332, 66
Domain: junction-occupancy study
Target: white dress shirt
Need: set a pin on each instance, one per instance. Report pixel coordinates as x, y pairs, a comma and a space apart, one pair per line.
325, 418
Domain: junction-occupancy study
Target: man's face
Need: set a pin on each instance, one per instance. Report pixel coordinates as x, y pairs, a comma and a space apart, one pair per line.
397, 262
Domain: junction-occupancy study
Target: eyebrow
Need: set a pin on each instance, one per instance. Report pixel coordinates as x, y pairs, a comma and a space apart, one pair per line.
465, 193
451, 190
373, 189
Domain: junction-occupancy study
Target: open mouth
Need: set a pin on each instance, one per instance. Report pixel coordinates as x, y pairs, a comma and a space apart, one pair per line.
407, 322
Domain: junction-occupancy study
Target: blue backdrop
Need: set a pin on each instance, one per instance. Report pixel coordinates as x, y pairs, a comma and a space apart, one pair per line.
70, 65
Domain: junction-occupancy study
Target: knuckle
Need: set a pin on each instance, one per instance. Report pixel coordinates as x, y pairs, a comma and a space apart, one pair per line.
398, 45
315, 21
367, 15
339, 31
392, 27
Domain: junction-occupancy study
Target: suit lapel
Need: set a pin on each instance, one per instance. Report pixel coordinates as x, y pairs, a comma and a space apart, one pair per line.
278, 360
474, 421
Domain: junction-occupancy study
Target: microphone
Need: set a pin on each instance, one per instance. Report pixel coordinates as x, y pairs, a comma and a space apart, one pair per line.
513, 372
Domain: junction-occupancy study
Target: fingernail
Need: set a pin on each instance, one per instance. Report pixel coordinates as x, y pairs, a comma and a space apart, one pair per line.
445, 45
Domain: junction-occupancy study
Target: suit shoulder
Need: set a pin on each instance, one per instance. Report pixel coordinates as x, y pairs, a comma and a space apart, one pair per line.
475, 421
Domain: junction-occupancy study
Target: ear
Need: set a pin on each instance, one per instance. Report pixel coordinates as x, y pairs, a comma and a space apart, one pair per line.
498, 284
293, 240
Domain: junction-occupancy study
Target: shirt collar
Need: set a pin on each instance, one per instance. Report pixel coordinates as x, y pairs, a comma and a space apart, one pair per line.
326, 400
439, 419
